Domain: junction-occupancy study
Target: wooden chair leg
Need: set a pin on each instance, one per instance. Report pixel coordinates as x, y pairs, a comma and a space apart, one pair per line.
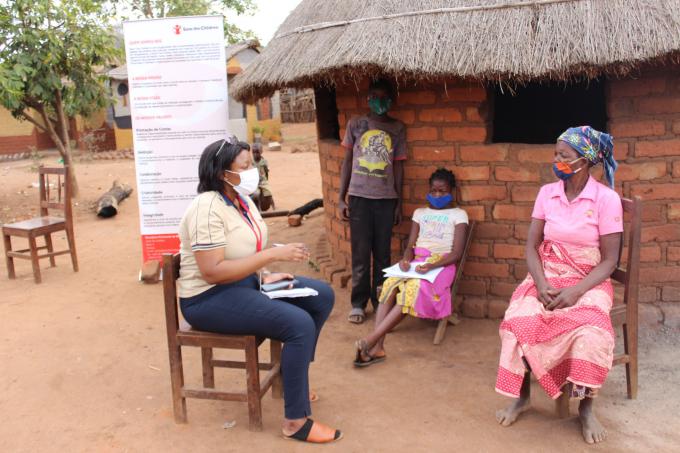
208, 369
8, 259
562, 405
72, 247
50, 249
35, 262
441, 330
630, 348
275, 355
179, 403
253, 385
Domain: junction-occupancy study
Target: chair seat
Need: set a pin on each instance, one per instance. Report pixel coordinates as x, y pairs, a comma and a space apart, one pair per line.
35, 223
187, 335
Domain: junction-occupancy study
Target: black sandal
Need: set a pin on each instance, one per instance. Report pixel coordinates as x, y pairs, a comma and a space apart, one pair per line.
315, 433
362, 349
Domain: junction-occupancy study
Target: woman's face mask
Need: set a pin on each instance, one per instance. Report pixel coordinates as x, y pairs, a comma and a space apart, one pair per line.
379, 105
250, 179
564, 170
439, 202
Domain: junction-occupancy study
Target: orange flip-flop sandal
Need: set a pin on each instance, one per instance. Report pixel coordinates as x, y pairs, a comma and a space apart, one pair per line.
315, 433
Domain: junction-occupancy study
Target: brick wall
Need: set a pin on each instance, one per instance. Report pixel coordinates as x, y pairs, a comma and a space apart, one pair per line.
448, 124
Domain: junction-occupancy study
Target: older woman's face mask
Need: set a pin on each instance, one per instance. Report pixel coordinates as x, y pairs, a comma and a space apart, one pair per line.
564, 170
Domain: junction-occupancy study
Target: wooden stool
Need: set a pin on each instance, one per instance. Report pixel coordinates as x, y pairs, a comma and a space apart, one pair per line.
186, 336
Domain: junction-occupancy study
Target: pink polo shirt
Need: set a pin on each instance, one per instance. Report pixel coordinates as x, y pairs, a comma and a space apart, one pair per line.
596, 211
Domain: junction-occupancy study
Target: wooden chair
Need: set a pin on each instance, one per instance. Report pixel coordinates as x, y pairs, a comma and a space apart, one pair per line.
184, 335
453, 319
625, 314
44, 225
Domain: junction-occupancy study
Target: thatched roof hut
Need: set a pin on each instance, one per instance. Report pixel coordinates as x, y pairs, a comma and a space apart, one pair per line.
323, 41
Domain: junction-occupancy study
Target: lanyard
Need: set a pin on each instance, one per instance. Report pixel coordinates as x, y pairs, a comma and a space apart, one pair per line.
251, 223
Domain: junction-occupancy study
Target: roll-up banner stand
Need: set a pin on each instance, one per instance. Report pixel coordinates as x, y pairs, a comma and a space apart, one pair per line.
177, 77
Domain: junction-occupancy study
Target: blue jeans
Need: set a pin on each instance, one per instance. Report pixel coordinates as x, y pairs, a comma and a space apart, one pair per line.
240, 309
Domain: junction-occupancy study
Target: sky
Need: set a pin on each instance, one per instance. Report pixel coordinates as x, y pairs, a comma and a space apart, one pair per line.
270, 14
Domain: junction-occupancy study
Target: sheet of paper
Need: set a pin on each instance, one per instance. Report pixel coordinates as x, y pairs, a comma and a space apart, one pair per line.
295, 292
395, 271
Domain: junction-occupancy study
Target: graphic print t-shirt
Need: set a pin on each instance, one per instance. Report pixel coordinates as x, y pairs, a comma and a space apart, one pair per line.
437, 228
375, 146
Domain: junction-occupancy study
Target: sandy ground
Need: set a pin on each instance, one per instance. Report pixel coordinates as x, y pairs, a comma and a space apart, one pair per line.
84, 368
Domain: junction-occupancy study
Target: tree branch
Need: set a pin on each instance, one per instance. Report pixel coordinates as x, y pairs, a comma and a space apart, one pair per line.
35, 122
53, 134
62, 117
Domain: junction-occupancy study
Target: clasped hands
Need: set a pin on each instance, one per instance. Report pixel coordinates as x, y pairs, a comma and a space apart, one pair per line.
554, 298
423, 268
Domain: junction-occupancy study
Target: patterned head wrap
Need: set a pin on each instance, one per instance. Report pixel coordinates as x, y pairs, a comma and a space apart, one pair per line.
595, 146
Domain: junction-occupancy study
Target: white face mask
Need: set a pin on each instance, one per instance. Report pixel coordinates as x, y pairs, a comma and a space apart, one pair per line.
250, 179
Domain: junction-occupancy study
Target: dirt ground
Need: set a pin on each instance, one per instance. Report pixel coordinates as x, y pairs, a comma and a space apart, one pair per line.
84, 366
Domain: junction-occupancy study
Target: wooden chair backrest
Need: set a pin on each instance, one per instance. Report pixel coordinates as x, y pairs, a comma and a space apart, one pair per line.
57, 197
171, 264
461, 263
629, 276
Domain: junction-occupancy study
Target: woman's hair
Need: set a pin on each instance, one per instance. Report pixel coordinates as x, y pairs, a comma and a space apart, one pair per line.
443, 174
215, 159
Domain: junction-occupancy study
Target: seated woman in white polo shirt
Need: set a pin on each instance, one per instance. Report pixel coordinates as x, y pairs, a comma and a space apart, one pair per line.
223, 239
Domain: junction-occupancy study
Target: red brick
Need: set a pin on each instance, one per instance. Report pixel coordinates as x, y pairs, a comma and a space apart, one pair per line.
638, 87
419, 173
414, 134
520, 271
659, 274
442, 115
637, 128
346, 102
676, 127
484, 153
512, 212
674, 211
333, 166
522, 174
673, 254
416, 98
335, 182
472, 287
486, 269
419, 191
661, 233
485, 192
473, 173
474, 307
479, 250
434, 153
405, 116
667, 104
488, 230
502, 289
619, 108
647, 254
464, 134
642, 172
521, 231
657, 148
475, 213
670, 293
536, 153
648, 294
509, 251
524, 193
473, 114
676, 169
496, 308
465, 94
656, 191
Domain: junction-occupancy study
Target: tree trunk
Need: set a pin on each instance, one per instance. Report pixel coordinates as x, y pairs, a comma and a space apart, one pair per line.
107, 205
67, 155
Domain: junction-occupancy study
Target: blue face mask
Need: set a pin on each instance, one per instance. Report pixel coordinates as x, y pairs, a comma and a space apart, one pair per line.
564, 170
439, 202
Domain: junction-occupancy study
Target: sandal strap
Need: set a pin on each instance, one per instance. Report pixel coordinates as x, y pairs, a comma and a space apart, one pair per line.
303, 433
316, 433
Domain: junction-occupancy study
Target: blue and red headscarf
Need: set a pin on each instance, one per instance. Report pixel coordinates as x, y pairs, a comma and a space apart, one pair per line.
595, 146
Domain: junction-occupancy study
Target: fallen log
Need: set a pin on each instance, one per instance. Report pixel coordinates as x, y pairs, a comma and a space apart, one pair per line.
267, 214
107, 205
307, 207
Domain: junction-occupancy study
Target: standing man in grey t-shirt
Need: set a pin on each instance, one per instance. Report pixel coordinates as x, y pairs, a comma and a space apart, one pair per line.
372, 174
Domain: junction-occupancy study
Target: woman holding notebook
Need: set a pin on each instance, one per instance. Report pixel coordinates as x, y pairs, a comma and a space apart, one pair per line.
223, 254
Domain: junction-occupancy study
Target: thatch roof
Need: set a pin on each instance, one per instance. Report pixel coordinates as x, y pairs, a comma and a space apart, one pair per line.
323, 41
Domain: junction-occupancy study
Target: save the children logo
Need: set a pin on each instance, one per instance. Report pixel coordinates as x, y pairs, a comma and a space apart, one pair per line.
376, 148
178, 29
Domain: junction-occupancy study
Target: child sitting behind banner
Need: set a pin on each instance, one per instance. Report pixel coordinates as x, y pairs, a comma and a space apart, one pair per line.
263, 196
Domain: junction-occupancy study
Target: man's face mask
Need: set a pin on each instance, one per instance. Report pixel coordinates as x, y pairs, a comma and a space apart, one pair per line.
379, 105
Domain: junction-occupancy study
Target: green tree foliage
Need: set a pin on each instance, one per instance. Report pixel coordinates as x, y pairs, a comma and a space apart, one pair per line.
150, 9
52, 64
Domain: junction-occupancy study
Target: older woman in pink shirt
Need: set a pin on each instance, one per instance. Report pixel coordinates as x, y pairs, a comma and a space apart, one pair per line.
557, 324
